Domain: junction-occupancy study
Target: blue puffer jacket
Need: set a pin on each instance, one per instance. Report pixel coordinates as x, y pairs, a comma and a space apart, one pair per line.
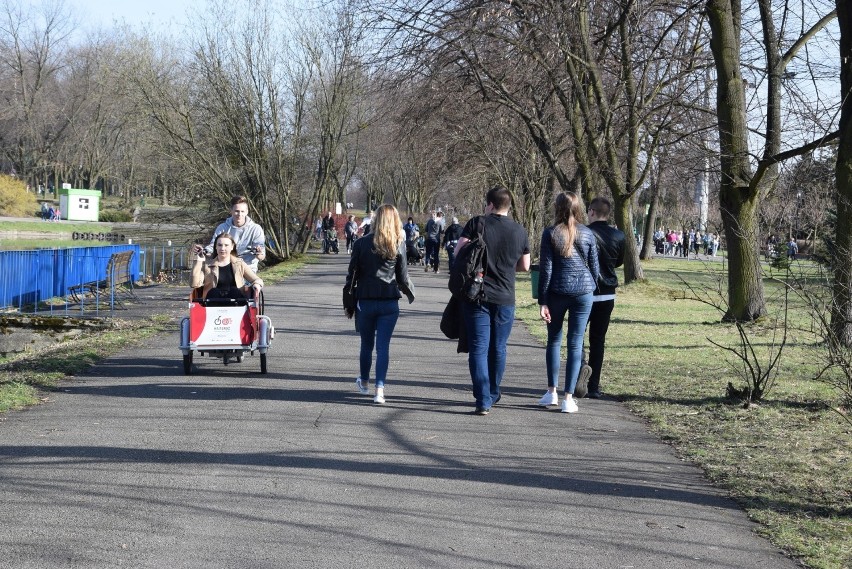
568, 275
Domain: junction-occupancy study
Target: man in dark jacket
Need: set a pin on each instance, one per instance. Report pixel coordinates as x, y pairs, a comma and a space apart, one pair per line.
451, 239
434, 229
610, 256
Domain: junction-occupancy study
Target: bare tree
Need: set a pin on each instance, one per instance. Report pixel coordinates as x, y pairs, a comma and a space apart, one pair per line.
33, 45
743, 184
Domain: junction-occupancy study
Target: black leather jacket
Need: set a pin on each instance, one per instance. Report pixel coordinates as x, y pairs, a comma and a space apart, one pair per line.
378, 278
610, 255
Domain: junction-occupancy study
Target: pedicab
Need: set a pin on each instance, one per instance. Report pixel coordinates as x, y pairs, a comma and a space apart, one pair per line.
225, 328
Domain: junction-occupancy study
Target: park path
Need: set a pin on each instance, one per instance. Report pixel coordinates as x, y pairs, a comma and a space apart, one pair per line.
136, 465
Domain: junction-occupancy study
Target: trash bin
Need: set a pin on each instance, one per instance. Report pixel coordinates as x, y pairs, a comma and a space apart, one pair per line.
534, 280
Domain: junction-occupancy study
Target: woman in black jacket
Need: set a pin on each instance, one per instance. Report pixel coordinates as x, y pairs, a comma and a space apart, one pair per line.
568, 276
379, 269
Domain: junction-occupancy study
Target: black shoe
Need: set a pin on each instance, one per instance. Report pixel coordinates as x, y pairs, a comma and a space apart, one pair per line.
581, 387
481, 411
594, 395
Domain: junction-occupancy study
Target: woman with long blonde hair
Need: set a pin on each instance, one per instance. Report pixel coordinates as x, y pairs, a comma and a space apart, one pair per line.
568, 276
379, 270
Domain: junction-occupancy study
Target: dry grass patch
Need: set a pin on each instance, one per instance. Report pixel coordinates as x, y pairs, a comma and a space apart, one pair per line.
787, 460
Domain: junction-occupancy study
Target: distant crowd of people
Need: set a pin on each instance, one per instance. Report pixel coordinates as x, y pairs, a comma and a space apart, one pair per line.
682, 243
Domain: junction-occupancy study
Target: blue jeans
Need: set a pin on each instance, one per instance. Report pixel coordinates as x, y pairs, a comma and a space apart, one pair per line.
578, 309
488, 327
376, 321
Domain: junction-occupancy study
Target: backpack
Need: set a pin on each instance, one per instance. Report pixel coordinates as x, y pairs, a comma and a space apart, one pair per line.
468, 272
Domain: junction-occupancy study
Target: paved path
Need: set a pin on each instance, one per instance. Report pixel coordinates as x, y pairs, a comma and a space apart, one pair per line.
137, 465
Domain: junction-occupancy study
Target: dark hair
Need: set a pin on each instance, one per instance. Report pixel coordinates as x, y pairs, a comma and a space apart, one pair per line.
499, 197
601, 206
226, 235
238, 199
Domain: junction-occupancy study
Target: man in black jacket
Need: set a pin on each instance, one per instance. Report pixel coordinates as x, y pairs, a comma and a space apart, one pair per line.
610, 256
451, 239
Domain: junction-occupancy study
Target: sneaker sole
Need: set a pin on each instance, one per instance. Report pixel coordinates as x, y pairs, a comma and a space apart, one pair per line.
582, 387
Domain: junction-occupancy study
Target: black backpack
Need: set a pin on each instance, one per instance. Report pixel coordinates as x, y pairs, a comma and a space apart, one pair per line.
468, 272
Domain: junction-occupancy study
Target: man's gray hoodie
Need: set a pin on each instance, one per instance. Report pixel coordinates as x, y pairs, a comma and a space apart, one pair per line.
249, 235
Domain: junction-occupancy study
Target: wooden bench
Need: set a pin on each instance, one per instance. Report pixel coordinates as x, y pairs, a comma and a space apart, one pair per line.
118, 276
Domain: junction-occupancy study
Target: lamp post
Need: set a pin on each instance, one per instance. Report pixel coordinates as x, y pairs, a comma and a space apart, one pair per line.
798, 206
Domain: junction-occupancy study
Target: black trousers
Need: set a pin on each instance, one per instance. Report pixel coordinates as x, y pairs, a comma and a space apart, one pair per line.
598, 326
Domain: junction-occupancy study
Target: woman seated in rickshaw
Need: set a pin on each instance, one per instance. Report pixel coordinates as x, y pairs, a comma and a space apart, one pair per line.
227, 275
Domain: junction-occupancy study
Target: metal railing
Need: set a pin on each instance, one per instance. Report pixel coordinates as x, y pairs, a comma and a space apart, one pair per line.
38, 281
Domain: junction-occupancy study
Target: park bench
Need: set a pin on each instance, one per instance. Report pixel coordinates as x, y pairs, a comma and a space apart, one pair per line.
119, 278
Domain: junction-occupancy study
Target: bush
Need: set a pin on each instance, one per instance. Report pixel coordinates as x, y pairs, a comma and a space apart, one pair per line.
15, 200
115, 216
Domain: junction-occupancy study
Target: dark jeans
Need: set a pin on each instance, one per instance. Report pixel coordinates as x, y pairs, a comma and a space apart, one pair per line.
577, 309
488, 327
598, 326
376, 321
432, 249
451, 257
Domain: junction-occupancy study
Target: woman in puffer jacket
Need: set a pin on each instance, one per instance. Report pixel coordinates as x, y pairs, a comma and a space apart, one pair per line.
568, 272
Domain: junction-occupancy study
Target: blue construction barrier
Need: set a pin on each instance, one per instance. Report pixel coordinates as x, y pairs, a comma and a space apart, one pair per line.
30, 278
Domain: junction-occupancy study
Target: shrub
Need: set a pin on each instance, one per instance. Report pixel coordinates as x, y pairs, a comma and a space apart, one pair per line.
115, 216
15, 200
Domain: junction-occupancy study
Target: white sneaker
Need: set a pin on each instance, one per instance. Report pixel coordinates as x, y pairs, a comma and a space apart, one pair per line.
568, 405
380, 395
549, 399
362, 386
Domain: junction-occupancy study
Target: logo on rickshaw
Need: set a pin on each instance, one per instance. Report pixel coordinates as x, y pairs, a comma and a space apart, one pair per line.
222, 321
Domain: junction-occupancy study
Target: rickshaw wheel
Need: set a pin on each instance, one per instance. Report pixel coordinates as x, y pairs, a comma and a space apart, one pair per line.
262, 363
187, 364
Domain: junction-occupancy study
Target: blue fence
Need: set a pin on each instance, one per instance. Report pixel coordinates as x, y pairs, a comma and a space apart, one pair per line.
30, 278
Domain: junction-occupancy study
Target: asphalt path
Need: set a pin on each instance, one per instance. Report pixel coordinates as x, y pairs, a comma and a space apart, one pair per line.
136, 465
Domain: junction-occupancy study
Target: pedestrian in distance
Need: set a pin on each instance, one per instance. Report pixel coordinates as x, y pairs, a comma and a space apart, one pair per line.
611, 245
378, 268
792, 249
351, 231
451, 239
434, 230
488, 322
568, 274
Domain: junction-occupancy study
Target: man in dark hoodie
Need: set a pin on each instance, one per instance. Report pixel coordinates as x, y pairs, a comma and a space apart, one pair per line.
610, 256
248, 235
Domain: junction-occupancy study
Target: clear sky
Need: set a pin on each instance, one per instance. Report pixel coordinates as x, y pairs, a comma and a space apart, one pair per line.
158, 13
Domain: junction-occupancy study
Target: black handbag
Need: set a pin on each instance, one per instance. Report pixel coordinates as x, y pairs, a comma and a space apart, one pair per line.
350, 300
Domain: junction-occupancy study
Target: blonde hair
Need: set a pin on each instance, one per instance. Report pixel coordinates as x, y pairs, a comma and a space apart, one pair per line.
569, 212
387, 232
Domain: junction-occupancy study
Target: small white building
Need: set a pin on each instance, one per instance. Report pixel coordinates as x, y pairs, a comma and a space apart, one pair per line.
79, 205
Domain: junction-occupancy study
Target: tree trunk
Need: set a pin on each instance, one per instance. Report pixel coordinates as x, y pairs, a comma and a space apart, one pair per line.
841, 307
738, 199
745, 282
624, 220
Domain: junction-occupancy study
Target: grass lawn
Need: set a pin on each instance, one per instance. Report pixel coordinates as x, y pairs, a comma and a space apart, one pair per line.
786, 460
